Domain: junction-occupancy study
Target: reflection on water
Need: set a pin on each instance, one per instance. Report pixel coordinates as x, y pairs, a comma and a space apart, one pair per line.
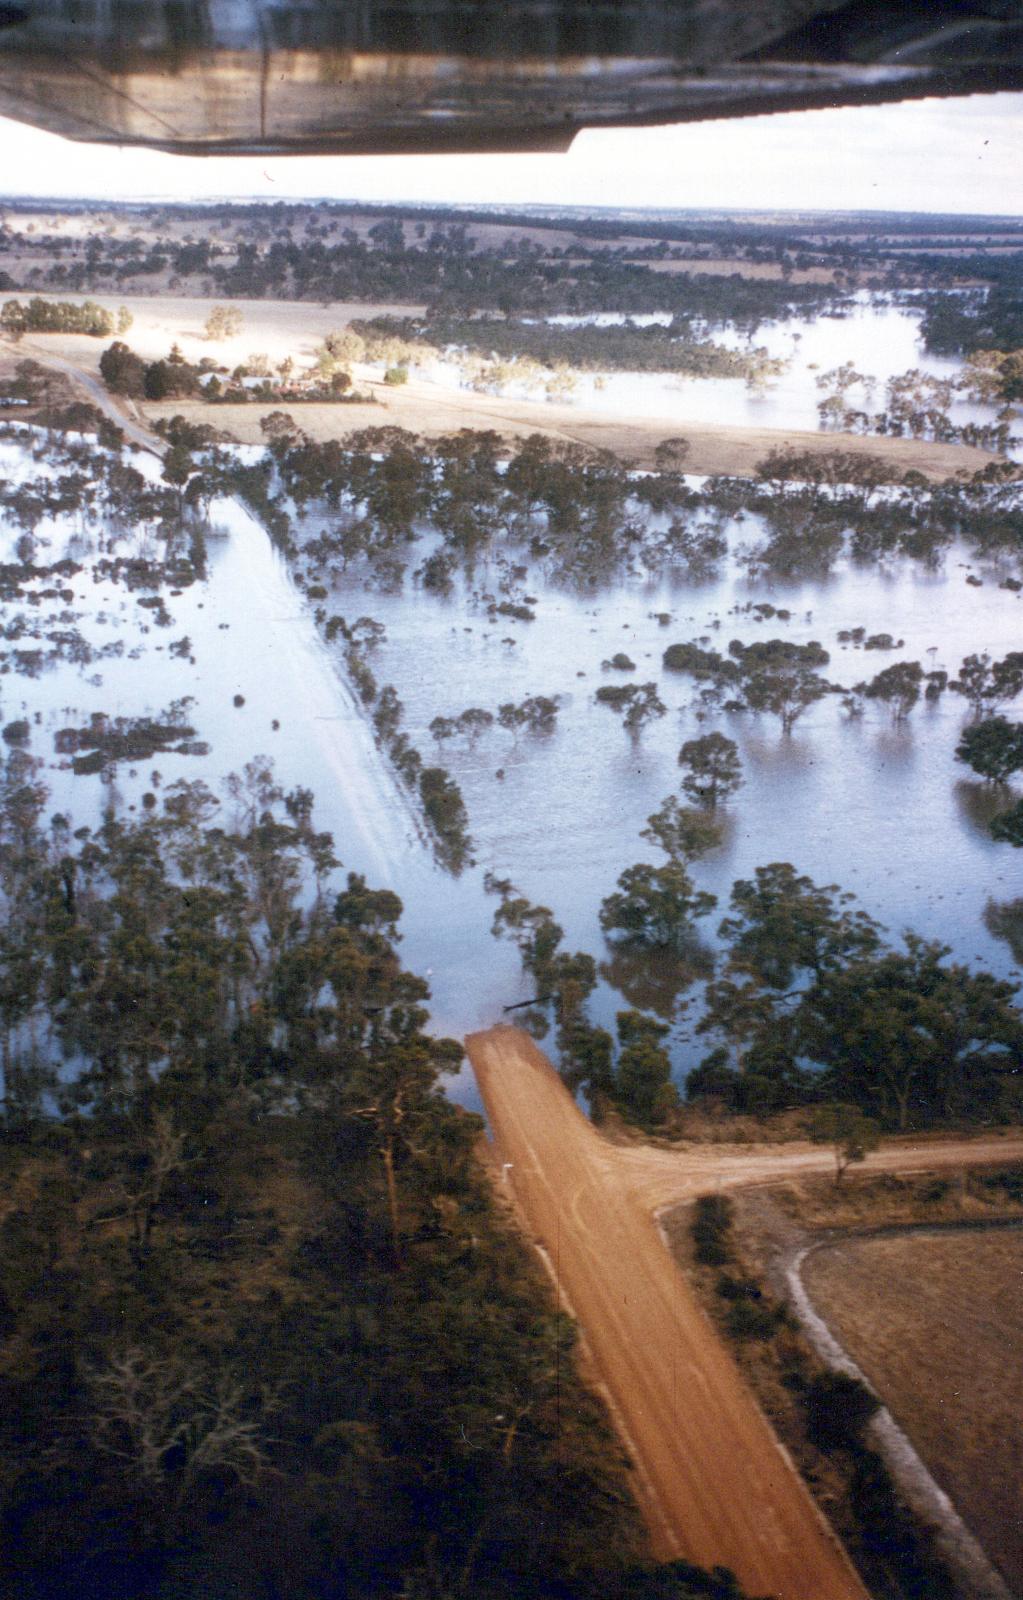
979, 803
653, 980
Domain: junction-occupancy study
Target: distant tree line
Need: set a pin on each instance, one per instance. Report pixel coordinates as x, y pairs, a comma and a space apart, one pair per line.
61, 316
588, 348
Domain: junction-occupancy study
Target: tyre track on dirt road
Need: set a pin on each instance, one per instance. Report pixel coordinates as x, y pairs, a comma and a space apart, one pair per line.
712, 1481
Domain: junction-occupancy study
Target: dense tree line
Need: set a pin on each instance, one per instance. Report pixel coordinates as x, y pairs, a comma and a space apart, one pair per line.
61, 316
425, 256
629, 348
990, 319
263, 1328
173, 377
813, 1005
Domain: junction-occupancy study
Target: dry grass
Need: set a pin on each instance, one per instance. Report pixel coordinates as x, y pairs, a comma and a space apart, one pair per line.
936, 1323
888, 1200
431, 411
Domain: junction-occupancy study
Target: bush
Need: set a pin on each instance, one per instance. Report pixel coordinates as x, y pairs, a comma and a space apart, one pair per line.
749, 1319
838, 1408
711, 1229
730, 1288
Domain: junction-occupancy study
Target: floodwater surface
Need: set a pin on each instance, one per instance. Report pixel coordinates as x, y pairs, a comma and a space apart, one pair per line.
882, 809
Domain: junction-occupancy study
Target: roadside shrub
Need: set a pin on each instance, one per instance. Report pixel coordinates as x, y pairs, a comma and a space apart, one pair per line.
1009, 1180
730, 1288
935, 1189
751, 1319
889, 1533
838, 1408
711, 1229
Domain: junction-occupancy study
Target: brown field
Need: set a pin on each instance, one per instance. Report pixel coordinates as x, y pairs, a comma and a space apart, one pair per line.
866, 1200
935, 1321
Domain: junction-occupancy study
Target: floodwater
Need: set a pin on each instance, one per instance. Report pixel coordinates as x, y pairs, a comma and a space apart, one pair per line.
882, 341
885, 811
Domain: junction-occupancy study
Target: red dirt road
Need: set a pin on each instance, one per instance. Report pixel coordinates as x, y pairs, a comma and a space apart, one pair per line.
712, 1481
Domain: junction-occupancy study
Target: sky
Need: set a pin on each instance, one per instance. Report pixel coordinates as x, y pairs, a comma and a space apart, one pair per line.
959, 155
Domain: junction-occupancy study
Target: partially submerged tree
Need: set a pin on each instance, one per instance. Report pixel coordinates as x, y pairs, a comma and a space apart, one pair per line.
655, 906
635, 703
1007, 827
714, 769
993, 748
986, 684
785, 928
683, 832
898, 686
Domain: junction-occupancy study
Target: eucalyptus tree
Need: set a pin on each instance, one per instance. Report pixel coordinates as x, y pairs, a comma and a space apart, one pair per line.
714, 771
635, 703
986, 684
993, 748
655, 906
684, 833
898, 686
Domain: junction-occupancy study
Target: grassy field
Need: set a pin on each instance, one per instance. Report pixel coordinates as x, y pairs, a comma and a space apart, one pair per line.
936, 1323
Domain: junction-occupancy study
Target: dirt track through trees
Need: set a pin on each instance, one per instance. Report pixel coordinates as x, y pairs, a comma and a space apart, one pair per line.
712, 1481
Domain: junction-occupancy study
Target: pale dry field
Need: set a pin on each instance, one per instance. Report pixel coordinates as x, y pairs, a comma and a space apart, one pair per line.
275, 328
935, 1321
430, 410
727, 266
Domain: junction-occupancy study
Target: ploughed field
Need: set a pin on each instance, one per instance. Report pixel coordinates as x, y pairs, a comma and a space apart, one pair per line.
935, 1321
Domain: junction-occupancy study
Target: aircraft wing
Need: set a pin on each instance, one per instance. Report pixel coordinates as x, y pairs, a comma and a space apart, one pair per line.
376, 76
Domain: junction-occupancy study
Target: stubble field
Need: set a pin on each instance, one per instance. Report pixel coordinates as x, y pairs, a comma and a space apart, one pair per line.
935, 1321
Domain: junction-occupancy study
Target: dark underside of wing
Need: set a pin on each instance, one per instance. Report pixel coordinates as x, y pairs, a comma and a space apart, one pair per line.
375, 76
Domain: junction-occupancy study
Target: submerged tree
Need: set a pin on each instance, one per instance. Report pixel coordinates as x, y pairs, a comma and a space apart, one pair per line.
1007, 827
714, 769
655, 906
993, 748
636, 703
898, 686
986, 684
683, 832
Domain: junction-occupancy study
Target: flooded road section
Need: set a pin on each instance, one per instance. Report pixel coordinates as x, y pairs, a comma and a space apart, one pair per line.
881, 808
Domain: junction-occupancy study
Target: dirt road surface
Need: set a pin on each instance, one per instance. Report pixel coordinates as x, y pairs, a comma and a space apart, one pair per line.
712, 1481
